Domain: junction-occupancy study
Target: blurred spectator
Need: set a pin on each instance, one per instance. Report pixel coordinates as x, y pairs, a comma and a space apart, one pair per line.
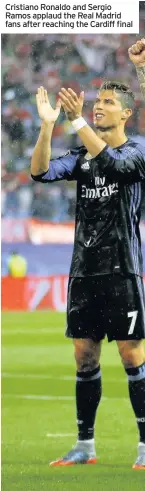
17, 265
78, 60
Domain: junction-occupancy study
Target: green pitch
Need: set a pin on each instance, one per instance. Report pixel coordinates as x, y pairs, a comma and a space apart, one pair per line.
38, 386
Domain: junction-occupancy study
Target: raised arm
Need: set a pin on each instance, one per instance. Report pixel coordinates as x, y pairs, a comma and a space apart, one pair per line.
42, 151
137, 56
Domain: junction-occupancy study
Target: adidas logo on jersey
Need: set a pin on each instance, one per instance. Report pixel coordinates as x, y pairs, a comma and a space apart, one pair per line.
85, 166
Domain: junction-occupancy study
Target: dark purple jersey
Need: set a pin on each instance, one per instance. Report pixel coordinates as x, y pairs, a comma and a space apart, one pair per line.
107, 236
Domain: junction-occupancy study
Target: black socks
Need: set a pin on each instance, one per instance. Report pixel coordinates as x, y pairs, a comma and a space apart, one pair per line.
88, 395
136, 381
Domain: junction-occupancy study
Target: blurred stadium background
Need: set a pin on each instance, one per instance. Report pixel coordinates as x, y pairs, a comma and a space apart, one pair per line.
37, 219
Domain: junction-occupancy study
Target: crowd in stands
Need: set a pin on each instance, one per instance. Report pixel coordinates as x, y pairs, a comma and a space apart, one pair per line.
78, 61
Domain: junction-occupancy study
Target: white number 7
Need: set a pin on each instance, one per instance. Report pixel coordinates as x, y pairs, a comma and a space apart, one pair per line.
133, 321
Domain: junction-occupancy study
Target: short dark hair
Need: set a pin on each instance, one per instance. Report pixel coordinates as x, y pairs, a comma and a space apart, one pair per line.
126, 95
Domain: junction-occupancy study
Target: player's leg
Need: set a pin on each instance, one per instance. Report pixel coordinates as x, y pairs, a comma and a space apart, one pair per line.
88, 391
88, 377
88, 395
133, 357
126, 311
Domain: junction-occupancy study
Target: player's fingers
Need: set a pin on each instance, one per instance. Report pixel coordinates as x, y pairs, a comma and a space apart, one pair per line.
38, 100
134, 49
39, 93
138, 50
42, 94
141, 41
67, 106
46, 96
64, 99
140, 45
81, 98
64, 90
69, 95
131, 49
65, 110
72, 100
63, 105
71, 92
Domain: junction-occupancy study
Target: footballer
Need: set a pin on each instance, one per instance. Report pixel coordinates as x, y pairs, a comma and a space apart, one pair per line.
105, 289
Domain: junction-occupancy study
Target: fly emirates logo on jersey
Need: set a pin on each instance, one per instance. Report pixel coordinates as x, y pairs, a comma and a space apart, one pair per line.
100, 190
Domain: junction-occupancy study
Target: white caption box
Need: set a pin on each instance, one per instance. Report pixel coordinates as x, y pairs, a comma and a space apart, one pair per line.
70, 17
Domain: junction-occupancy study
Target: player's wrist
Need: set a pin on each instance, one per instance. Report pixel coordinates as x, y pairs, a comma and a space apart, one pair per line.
47, 124
78, 123
71, 116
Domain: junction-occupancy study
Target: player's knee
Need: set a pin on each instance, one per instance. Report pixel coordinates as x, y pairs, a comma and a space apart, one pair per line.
132, 354
86, 360
129, 359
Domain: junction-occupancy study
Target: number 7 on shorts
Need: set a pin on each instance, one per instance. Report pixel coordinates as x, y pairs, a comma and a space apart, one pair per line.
133, 316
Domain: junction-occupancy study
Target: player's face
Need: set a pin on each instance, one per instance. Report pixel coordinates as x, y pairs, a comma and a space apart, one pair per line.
107, 110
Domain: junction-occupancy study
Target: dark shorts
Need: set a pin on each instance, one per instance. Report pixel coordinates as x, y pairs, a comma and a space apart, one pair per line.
111, 305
